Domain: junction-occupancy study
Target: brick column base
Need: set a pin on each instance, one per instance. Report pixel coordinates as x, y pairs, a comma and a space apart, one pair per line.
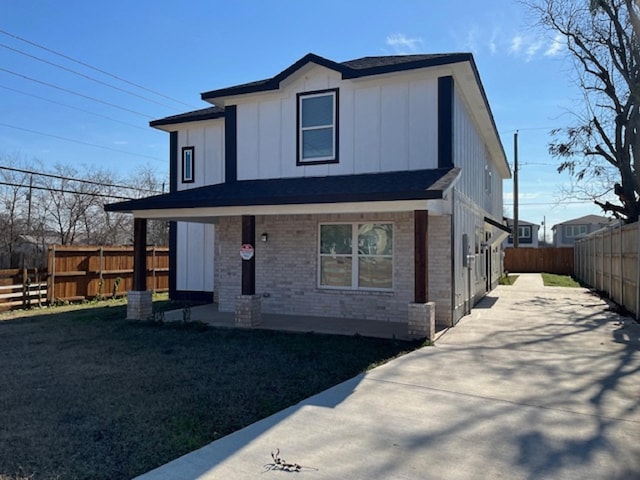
248, 311
422, 320
139, 305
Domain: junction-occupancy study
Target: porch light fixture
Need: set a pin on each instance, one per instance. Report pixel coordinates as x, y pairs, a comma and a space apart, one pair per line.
264, 237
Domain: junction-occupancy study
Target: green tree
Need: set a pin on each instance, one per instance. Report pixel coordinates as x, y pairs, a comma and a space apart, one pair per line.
602, 146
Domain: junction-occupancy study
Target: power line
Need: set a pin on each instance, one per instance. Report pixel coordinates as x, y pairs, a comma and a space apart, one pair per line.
62, 177
74, 108
581, 202
88, 77
4, 32
51, 85
80, 142
64, 190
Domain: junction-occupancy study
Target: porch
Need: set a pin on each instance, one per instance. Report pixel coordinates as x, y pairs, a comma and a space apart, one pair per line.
210, 315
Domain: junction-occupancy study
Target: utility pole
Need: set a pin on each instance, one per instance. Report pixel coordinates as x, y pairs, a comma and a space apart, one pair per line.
516, 237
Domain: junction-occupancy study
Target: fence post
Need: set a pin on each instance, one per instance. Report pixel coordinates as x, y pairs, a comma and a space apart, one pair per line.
621, 266
24, 287
153, 268
39, 287
51, 261
611, 262
101, 277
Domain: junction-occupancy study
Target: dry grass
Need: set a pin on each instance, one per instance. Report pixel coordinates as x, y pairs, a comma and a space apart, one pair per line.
87, 395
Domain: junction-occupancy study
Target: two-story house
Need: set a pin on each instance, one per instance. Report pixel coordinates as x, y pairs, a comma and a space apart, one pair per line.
527, 234
566, 233
368, 189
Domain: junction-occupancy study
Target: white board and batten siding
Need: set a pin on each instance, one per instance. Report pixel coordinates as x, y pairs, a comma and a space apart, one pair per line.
196, 241
404, 107
478, 193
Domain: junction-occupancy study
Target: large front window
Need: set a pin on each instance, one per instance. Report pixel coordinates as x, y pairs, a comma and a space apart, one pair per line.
317, 127
356, 256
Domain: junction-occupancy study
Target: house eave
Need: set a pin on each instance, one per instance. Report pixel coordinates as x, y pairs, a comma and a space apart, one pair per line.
210, 214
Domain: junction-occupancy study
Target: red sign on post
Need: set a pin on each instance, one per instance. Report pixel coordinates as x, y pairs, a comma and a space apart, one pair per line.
246, 251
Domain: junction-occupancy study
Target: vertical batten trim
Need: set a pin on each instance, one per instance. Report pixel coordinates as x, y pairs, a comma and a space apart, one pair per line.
173, 226
445, 122
230, 144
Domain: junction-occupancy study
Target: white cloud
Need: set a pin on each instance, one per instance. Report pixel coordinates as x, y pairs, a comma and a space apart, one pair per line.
555, 47
516, 44
532, 48
403, 44
493, 47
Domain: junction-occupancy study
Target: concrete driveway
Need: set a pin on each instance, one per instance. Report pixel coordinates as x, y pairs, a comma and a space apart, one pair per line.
536, 383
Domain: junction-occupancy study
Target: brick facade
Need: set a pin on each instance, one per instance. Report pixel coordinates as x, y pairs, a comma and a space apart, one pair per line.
287, 268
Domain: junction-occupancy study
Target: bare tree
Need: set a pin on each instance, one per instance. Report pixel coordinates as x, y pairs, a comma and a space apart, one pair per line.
14, 201
602, 38
70, 205
147, 182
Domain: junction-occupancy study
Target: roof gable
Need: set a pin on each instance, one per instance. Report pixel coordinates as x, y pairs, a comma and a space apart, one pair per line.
586, 220
360, 67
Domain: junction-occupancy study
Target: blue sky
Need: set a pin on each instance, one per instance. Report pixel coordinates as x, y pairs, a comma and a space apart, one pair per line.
183, 49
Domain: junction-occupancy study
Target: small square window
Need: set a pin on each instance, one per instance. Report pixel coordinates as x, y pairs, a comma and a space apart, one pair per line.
317, 127
187, 164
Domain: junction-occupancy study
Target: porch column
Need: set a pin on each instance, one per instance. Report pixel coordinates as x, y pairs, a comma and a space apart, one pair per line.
422, 319
139, 301
248, 305
249, 266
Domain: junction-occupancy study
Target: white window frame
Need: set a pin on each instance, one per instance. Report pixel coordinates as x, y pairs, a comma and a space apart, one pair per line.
524, 231
574, 231
355, 264
333, 158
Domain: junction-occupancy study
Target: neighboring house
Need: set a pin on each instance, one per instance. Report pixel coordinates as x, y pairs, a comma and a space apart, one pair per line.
527, 234
566, 233
355, 189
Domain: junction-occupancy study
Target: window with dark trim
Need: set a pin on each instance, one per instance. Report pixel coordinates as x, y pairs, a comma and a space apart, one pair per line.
524, 234
317, 127
187, 164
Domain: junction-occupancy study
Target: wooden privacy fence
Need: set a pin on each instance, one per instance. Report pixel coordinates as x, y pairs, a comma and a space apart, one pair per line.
535, 260
22, 287
78, 273
608, 260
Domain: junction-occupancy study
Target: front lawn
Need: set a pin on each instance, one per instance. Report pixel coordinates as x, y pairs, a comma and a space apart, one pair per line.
85, 394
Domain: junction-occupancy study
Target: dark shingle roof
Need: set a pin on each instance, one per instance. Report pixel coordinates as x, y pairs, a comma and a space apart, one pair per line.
197, 115
390, 186
359, 67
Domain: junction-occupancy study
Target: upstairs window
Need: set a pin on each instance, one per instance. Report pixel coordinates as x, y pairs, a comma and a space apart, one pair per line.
487, 180
187, 164
317, 127
524, 231
572, 231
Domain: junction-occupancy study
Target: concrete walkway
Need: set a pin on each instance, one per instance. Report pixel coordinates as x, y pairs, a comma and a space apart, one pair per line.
536, 383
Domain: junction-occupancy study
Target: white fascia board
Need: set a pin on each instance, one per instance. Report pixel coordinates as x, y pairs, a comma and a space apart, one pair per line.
206, 214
